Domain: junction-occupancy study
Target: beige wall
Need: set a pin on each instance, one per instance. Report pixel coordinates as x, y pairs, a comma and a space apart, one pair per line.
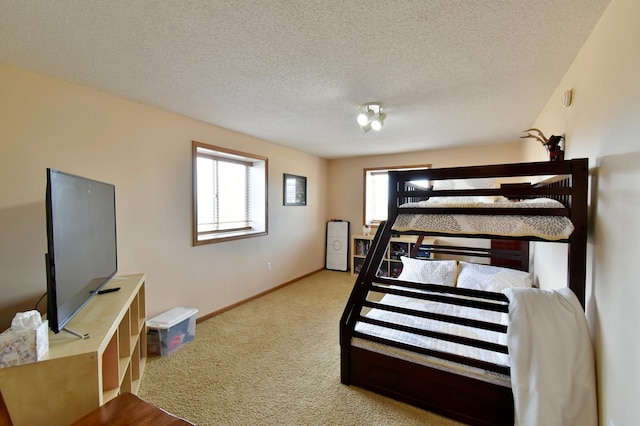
603, 124
346, 176
146, 153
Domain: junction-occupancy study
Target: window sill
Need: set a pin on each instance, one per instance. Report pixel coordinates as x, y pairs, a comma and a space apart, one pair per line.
227, 236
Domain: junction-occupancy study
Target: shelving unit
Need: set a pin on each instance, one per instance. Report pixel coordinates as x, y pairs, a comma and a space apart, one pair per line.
78, 375
391, 264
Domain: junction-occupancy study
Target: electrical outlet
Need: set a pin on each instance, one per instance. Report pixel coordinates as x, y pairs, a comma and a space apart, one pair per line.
268, 266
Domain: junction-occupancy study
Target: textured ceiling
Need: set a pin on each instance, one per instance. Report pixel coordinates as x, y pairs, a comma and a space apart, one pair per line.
447, 72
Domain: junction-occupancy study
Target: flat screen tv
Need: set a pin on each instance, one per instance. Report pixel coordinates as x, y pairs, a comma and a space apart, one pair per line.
81, 243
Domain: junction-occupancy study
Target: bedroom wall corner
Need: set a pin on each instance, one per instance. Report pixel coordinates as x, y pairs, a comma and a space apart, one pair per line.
602, 124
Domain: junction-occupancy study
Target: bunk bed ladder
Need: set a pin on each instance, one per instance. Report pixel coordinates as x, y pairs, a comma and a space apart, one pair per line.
356, 300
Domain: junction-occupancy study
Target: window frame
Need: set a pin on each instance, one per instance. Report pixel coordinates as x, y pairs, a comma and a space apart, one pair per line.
217, 153
366, 171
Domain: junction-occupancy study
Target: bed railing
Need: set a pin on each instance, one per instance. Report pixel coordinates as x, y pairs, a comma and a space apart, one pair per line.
477, 299
567, 182
564, 181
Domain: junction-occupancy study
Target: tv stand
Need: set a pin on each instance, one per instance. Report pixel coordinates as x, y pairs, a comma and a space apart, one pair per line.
77, 376
75, 333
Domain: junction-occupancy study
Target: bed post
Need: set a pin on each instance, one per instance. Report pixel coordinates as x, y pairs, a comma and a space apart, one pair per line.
578, 239
358, 295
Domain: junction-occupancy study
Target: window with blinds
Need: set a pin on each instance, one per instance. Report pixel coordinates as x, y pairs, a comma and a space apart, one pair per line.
230, 194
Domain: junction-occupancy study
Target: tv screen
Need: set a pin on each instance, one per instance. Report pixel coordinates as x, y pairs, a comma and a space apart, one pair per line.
81, 243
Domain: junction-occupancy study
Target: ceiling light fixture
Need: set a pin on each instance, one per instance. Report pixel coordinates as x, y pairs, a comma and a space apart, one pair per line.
370, 117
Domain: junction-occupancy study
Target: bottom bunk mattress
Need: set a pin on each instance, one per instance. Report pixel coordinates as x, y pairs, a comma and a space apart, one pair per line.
374, 337
552, 370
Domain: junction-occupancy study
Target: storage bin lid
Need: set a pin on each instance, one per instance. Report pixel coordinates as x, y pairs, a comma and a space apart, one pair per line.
171, 317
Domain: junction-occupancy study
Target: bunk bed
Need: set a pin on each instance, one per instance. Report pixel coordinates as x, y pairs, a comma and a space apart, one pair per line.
466, 375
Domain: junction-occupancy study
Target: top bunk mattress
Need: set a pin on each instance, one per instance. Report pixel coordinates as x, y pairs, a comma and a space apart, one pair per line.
551, 228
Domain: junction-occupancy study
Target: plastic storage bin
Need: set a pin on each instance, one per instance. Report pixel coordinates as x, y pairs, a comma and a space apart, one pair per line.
169, 331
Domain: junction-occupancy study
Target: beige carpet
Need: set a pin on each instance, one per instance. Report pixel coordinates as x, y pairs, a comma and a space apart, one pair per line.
273, 361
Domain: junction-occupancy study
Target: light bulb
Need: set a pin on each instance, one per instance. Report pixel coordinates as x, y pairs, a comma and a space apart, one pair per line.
376, 123
364, 117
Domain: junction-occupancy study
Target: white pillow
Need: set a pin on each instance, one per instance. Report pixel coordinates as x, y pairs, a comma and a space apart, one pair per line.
491, 278
479, 183
441, 272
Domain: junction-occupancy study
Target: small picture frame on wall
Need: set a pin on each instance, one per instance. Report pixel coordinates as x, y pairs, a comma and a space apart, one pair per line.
294, 190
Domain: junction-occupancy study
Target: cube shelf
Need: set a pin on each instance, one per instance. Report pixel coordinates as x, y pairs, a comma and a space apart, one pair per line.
78, 375
391, 265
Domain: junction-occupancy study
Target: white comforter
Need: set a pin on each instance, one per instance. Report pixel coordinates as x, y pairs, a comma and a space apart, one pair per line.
552, 367
547, 227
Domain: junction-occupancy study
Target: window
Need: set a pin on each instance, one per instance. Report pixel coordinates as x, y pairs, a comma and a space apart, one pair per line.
376, 190
229, 194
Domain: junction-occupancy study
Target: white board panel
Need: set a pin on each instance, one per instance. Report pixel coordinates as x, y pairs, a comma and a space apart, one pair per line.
337, 254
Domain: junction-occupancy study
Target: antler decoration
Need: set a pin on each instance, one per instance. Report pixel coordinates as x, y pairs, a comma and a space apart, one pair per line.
540, 137
552, 144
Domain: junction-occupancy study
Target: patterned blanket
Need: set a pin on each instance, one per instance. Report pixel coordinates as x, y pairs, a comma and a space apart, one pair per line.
547, 227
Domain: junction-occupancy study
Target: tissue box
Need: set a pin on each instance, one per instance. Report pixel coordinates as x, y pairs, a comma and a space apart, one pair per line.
168, 332
23, 346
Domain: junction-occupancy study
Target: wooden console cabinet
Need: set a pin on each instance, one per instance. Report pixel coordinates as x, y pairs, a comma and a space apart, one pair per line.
78, 375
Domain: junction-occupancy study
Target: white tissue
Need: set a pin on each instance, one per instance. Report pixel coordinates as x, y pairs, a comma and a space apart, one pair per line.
27, 340
29, 320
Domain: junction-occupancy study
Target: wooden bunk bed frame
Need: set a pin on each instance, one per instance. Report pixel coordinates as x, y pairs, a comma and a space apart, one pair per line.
461, 397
